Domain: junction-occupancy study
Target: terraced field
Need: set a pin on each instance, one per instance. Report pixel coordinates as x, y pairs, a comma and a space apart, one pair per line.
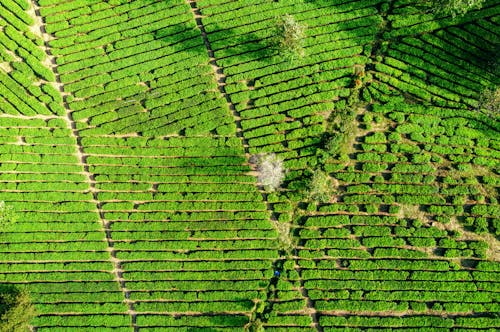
127, 130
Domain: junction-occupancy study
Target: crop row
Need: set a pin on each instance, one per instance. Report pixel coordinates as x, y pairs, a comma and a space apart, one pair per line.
57, 244
202, 232
185, 219
389, 242
449, 195
118, 62
437, 66
280, 101
20, 49
434, 323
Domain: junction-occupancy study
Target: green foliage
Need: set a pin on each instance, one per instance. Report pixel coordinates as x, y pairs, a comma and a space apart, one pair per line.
289, 37
319, 186
489, 101
7, 214
255, 326
455, 7
187, 221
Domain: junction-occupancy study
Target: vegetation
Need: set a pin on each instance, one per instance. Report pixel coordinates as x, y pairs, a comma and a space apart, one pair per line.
290, 36
490, 101
319, 186
380, 161
16, 310
455, 7
271, 172
7, 214
255, 326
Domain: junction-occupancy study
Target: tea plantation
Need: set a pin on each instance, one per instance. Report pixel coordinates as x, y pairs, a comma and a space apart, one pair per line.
128, 136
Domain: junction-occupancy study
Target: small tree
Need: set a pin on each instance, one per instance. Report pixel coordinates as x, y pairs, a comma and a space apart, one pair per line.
319, 186
254, 326
490, 101
270, 170
289, 37
7, 214
455, 7
16, 310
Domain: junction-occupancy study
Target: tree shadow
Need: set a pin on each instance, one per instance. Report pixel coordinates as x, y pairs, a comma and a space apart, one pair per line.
16, 309
189, 53
7, 293
185, 37
222, 322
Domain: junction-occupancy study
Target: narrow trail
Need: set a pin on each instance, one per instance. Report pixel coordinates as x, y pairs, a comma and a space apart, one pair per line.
82, 157
311, 310
221, 83
219, 76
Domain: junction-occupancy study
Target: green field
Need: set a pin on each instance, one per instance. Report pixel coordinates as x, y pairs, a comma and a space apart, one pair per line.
127, 130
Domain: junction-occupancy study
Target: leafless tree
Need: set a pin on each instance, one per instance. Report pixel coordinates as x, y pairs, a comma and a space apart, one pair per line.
271, 171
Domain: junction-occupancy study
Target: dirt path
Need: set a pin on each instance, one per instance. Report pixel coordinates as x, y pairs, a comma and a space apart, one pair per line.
28, 117
312, 312
282, 228
82, 157
219, 76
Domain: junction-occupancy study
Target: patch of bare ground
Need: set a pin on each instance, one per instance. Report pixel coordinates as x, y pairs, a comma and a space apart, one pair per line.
5, 66
382, 126
493, 251
412, 212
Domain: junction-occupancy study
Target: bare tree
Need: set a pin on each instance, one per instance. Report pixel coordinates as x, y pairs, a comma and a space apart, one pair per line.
271, 171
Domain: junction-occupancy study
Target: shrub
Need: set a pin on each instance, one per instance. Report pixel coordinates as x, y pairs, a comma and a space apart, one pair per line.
289, 37
490, 101
418, 306
271, 171
7, 215
319, 186
334, 144
394, 209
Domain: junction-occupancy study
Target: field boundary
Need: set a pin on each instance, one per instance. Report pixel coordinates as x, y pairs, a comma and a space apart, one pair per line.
82, 157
